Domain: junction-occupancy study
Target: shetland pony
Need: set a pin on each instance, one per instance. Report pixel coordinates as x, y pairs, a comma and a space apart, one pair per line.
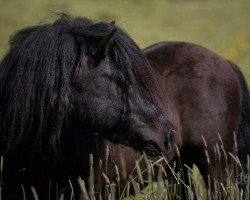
68, 75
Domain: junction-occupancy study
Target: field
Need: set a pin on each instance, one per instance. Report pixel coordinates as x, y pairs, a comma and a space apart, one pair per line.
223, 26
220, 25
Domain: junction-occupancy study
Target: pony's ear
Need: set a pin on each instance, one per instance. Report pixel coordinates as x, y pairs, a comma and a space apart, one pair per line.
104, 44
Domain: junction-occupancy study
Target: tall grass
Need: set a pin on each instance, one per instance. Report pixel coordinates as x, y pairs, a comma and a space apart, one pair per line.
161, 180
164, 185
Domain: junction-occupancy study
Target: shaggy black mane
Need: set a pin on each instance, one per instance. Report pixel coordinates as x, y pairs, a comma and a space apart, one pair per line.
37, 72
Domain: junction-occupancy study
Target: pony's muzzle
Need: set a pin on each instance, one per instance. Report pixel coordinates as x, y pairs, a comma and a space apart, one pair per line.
152, 149
160, 147
169, 140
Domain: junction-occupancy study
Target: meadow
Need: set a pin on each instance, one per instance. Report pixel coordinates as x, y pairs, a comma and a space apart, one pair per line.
223, 26
220, 25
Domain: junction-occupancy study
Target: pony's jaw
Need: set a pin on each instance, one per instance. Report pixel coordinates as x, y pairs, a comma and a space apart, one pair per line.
154, 138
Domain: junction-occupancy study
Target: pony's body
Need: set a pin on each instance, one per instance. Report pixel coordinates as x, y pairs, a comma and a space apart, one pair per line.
203, 101
61, 83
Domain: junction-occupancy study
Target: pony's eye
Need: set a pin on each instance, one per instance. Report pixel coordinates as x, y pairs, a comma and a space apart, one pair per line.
124, 85
121, 81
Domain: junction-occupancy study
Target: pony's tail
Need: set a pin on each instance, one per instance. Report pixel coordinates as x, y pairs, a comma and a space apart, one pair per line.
243, 135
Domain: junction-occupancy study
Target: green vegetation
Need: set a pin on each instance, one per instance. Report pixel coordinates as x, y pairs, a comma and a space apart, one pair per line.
223, 26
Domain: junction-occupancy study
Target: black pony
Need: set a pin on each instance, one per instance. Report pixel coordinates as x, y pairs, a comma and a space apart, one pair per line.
66, 76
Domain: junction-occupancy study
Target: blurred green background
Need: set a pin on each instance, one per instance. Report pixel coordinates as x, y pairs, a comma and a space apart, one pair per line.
220, 25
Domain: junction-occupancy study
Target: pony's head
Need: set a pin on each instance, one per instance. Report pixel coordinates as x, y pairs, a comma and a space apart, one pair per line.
74, 69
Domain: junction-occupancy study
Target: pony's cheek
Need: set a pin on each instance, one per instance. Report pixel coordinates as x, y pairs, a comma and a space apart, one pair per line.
100, 111
105, 110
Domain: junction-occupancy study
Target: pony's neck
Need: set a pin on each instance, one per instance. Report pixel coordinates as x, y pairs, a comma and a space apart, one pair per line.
77, 144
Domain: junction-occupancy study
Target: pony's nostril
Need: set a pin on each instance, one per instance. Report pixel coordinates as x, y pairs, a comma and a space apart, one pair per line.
167, 143
152, 149
169, 140
172, 134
